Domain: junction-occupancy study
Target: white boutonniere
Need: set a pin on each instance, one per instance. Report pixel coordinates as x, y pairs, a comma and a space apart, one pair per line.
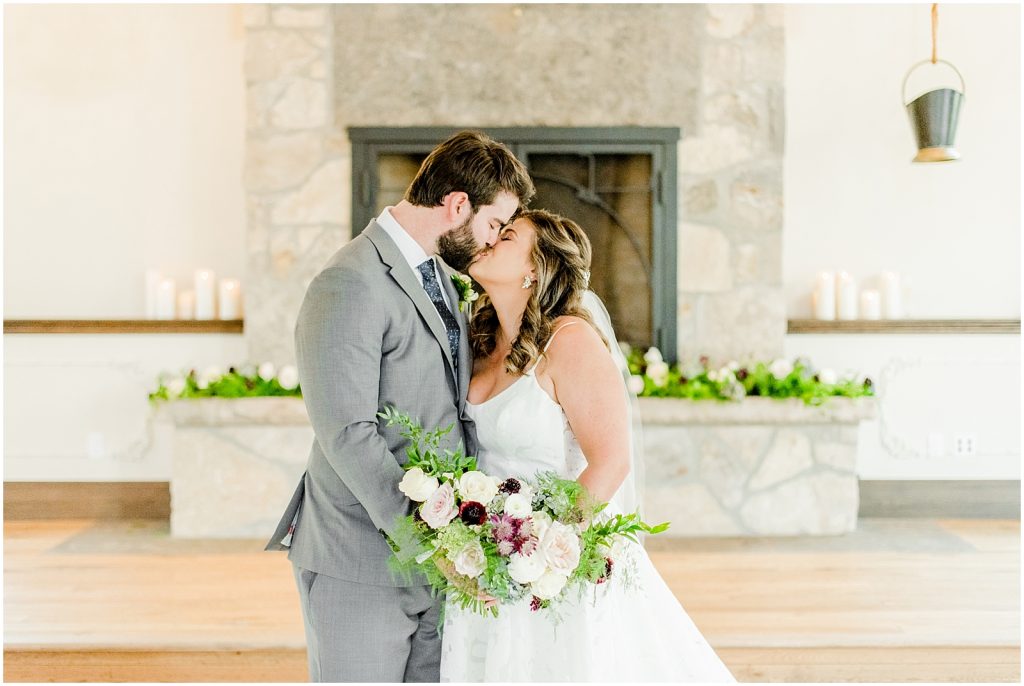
464, 285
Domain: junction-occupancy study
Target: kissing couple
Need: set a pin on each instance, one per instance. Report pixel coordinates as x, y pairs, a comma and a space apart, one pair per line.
531, 377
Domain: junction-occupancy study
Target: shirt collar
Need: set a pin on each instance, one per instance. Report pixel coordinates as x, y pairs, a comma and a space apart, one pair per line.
411, 250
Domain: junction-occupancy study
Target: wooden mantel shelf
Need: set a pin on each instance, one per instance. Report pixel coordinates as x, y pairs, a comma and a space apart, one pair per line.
906, 326
123, 326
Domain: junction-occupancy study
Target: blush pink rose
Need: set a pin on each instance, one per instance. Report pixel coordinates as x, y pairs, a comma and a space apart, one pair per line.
439, 509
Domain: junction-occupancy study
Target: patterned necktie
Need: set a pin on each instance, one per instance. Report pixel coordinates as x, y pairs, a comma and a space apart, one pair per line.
433, 289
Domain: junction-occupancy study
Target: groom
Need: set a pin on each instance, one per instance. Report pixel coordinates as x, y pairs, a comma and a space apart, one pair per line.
381, 325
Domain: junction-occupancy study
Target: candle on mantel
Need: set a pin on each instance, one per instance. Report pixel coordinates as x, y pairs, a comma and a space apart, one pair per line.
230, 300
846, 296
153, 277
823, 299
206, 301
870, 304
165, 300
892, 304
187, 305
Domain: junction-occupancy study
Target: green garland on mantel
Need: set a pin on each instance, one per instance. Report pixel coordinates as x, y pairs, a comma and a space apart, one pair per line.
696, 379
651, 377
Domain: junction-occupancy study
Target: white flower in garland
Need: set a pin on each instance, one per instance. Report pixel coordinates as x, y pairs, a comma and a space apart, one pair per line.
209, 376
288, 378
781, 368
175, 386
636, 384
266, 371
653, 356
828, 376
658, 372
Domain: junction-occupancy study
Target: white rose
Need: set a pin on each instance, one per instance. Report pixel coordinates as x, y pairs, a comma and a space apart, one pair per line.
726, 375
626, 348
439, 508
266, 371
652, 356
526, 568
658, 373
713, 375
541, 522
471, 560
175, 386
289, 377
518, 505
561, 548
781, 368
635, 384
417, 485
733, 365
478, 487
549, 585
828, 376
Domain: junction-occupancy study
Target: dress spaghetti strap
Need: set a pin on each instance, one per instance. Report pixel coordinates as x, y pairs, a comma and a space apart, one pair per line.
548, 345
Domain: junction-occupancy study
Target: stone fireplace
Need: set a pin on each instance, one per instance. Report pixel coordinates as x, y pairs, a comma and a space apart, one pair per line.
715, 72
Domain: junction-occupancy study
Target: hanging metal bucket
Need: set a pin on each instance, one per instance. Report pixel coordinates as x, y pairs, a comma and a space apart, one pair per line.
933, 116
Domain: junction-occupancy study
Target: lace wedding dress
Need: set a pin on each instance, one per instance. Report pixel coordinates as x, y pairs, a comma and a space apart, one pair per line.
611, 633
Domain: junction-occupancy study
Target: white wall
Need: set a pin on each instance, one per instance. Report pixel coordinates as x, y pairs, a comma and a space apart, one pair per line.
124, 128
854, 201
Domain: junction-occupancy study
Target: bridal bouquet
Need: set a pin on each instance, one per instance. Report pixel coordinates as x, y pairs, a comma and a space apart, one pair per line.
473, 534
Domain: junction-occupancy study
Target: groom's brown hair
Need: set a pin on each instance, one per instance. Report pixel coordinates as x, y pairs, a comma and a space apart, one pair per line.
475, 164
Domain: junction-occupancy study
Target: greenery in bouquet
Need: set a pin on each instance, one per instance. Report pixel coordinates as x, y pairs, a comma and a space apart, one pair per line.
699, 380
474, 536
247, 381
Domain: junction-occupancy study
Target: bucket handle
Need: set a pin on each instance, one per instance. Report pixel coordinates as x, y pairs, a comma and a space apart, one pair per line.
903, 91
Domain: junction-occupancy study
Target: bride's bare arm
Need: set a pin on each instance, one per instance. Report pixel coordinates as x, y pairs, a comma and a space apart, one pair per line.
589, 387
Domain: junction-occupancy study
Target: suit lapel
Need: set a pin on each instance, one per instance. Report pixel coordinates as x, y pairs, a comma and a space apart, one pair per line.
403, 274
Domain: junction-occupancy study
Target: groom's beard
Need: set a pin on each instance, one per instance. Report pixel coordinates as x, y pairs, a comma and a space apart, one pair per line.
458, 247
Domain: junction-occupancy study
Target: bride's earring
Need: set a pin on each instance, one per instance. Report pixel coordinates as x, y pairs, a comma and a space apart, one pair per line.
526, 281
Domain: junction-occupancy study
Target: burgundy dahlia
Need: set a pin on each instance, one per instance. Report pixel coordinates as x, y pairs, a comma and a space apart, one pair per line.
510, 486
742, 373
472, 512
535, 604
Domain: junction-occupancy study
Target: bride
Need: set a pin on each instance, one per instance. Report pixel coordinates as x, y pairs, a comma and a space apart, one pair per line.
547, 394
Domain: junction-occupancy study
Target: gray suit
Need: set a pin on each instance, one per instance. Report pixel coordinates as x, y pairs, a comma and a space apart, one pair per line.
367, 336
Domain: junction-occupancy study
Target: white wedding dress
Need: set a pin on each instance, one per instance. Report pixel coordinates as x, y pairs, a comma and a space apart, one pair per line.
612, 633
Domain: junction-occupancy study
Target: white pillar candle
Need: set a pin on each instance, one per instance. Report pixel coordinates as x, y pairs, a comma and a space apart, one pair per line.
846, 296
892, 304
870, 304
165, 300
153, 277
206, 301
824, 297
187, 305
230, 300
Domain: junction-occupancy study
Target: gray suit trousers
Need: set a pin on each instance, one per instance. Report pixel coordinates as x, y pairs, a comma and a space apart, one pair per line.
360, 632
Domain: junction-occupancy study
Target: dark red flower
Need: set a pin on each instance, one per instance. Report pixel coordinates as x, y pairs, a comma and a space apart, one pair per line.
472, 512
607, 570
704, 360
510, 486
535, 604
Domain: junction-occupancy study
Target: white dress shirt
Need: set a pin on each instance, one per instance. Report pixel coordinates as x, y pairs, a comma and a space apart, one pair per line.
412, 251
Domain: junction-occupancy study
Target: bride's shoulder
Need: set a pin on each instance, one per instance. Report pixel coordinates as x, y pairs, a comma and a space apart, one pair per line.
580, 342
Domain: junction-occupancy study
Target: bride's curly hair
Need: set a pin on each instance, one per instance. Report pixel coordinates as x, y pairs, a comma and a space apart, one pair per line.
561, 257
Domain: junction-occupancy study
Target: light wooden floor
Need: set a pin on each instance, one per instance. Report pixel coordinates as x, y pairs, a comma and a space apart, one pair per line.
900, 600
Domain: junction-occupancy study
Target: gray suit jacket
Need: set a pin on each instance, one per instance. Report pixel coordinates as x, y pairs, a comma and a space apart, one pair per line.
367, 336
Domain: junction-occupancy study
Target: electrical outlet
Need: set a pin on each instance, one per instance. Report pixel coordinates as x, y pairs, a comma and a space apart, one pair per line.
964, 445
